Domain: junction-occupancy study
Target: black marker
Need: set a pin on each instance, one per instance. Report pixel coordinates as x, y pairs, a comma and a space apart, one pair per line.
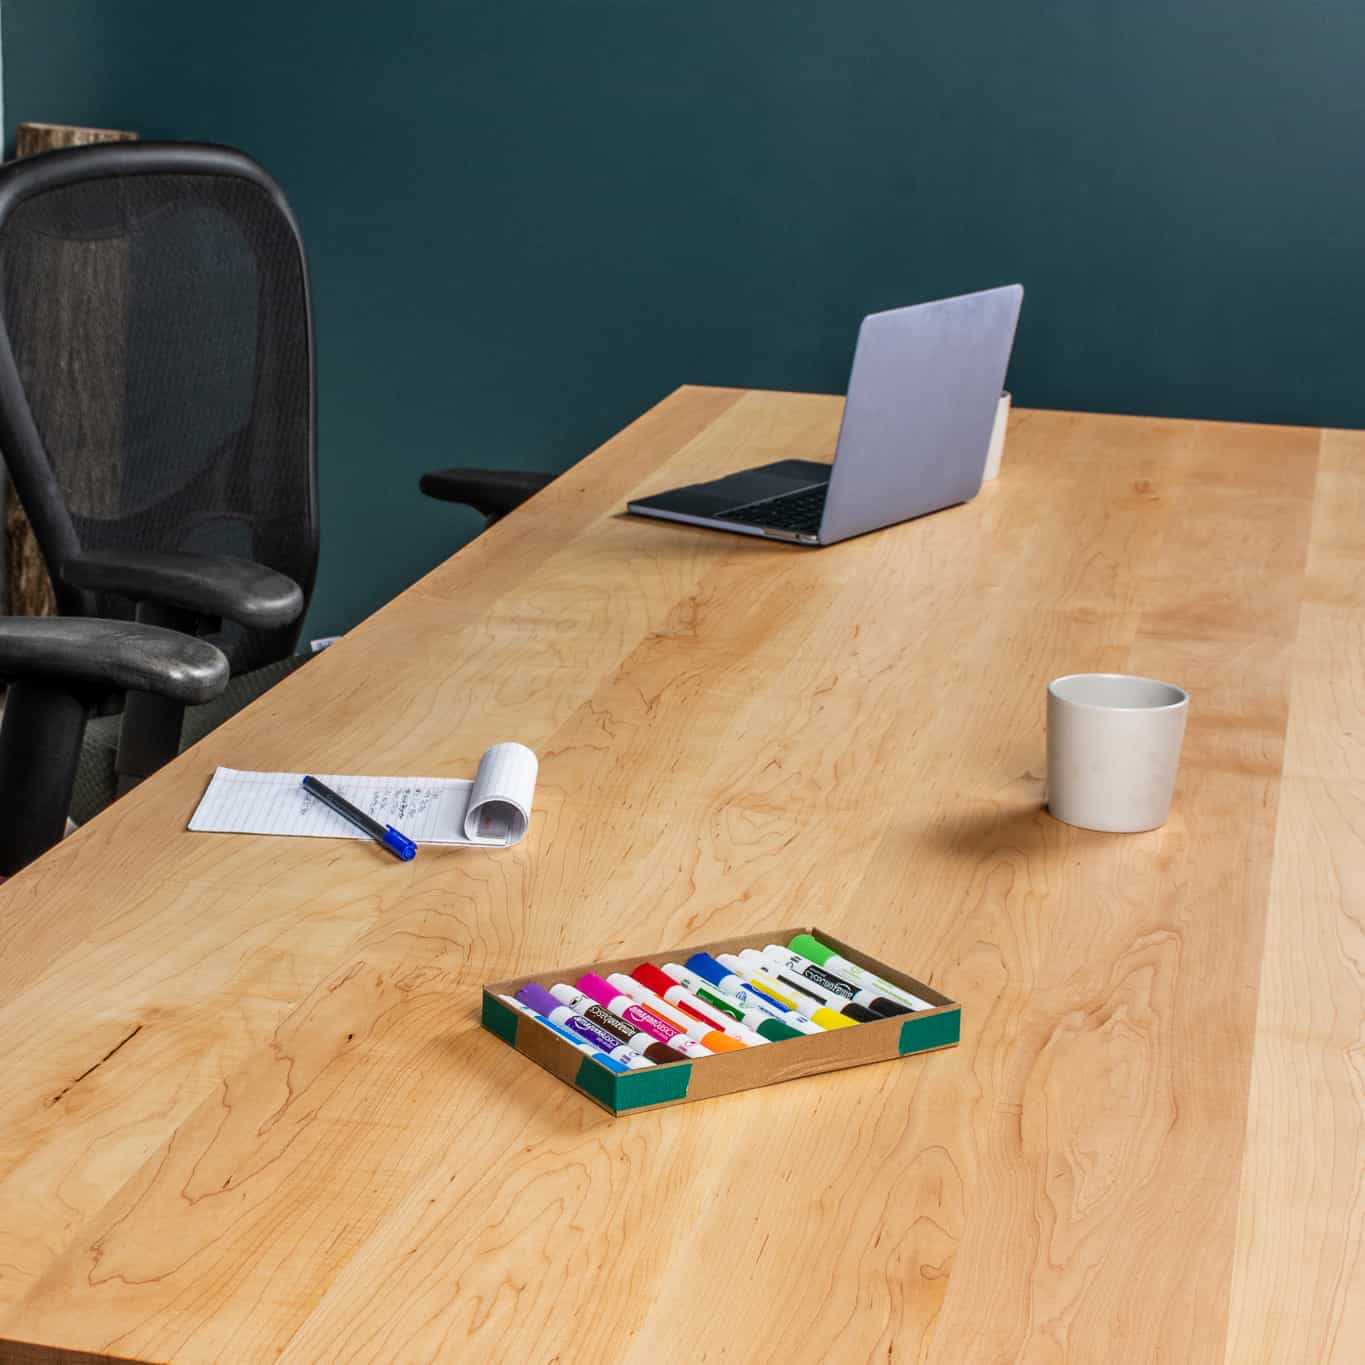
828, 987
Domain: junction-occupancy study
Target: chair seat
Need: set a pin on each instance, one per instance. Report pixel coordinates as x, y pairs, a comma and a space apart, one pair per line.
96, 782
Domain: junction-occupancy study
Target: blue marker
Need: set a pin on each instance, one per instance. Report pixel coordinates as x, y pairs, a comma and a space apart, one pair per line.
746, 993
587, 1049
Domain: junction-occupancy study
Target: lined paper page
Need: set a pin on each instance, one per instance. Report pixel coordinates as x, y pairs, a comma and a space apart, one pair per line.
492, 811
426, 809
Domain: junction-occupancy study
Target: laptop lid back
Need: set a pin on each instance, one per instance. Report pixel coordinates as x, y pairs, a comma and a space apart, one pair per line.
922, 396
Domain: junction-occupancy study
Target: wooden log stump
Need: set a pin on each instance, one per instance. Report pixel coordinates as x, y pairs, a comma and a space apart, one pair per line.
28, 589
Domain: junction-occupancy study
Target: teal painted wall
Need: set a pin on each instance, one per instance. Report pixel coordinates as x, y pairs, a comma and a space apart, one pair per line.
529, 221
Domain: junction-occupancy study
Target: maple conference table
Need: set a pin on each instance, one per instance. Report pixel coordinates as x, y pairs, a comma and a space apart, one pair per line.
248, 1110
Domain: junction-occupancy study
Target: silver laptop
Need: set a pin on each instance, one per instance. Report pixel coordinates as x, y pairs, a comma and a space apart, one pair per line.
917, 425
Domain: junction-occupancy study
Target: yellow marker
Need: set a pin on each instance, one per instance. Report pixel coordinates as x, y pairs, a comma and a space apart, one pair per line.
816, 1013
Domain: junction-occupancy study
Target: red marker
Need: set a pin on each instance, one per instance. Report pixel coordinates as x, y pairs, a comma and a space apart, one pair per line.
648, 975
707, 1036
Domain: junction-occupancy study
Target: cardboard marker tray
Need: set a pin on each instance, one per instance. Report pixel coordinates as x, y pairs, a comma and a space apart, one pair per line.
677, 1082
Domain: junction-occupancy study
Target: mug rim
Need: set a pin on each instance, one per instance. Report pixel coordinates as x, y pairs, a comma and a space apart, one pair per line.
1182, 697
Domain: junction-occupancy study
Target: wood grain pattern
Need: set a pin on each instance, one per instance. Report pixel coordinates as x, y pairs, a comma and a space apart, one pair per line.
1298, 1289
249, 1113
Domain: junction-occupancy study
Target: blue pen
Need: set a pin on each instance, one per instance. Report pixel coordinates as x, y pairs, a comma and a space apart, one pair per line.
397, 844
586, 1048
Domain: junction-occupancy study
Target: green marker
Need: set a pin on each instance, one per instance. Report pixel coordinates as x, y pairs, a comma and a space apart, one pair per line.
814, 951
774, 1030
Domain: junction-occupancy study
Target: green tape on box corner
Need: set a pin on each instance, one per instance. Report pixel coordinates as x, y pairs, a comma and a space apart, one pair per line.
499, 1019
634, 1089
934, 1030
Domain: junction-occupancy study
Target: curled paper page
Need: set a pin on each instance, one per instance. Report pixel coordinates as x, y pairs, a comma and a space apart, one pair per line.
494, 810
500, 803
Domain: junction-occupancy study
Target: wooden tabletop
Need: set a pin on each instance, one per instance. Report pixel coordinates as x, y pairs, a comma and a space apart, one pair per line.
247, 1112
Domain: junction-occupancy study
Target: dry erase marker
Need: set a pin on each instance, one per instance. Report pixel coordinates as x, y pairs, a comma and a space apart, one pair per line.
705, 1033
850, 1009
832, 982
707, 995
816, 1013
735, 988
384, 835
670, 1014
647, 974
808, 996
765, 1025
811, 947
804, 1005
621, 1005
786, 960
702, 990
645, 1019
539, 999
744, 993
591, 1033
632, 1037
682, 999
586, 1048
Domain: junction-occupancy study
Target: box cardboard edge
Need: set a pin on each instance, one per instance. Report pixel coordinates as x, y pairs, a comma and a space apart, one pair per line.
731, 1072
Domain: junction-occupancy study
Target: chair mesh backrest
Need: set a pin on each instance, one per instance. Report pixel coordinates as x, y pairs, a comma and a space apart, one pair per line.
160, 328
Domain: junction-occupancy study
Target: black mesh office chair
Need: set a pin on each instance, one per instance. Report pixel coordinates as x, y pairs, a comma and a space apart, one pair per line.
157, 415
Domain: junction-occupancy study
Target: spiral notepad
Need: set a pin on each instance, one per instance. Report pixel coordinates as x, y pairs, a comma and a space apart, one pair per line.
494, 810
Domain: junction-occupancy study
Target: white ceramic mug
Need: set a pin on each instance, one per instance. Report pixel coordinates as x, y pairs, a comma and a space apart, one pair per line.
1113, 746
997, 446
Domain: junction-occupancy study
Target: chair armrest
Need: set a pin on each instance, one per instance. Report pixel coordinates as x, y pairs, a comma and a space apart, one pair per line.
213, 585
111, 656
493, 492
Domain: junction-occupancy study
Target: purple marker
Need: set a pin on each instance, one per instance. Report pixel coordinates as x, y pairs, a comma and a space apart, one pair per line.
539, 999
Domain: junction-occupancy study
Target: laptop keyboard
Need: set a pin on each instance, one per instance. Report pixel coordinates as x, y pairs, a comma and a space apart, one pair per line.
800, 511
